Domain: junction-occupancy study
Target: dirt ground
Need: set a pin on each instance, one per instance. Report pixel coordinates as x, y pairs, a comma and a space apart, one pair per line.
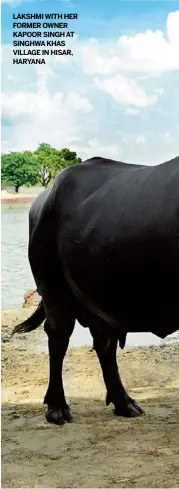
97, 449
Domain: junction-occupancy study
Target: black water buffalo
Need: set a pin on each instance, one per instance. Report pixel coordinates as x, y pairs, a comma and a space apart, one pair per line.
104, 249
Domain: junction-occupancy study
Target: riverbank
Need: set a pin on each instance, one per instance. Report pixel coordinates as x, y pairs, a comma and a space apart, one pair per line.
97, 449
23, 198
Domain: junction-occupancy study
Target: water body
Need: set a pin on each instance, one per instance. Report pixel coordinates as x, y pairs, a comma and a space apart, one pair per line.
17, 278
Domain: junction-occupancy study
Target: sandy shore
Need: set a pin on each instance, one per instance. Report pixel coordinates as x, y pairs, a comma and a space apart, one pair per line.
8, 198
97, 449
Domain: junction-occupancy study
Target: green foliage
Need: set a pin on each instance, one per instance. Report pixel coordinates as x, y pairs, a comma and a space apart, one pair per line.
43, 156
19, 169
51, 161
42, 165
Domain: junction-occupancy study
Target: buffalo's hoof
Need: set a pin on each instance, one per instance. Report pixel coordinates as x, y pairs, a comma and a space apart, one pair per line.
58, 416
67, 414
128, 408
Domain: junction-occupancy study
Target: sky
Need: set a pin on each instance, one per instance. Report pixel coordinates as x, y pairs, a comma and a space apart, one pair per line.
117, 96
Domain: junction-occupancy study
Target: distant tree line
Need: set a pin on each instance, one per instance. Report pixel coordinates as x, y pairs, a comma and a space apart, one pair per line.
33, 167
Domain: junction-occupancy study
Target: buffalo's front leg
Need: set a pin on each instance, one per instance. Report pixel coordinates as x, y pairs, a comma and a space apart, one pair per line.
58, 339
106, 350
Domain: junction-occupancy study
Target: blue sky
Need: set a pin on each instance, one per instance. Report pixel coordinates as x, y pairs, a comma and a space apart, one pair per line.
116, 97
96, 16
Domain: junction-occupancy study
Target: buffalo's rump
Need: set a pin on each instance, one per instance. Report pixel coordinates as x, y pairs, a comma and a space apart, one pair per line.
118, 239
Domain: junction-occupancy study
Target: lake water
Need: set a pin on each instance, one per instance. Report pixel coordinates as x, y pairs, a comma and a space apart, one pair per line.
17, 278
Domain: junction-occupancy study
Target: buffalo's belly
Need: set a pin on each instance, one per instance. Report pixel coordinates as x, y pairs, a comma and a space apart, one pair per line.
129, 282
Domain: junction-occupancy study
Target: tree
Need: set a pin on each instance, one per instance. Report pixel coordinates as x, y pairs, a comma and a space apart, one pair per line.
65, 158
51, 161
19, 169
41, 165
43, 156
44, 175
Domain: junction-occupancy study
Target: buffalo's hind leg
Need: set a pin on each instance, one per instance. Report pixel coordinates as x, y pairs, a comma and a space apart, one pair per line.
106, 348
58, 302
59, 327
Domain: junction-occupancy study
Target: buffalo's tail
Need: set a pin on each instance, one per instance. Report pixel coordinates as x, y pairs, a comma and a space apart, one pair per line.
33, 322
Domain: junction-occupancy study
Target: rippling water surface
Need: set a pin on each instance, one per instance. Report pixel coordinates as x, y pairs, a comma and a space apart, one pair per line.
17, 278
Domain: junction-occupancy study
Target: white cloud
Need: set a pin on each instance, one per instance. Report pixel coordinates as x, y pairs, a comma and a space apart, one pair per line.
167, 137
95, 60
149, 51
77, 102
95, 147
140, 139
160, 91
41, 104
132, 111
11, 77
50, 103
125, 91
42, 116
173, 27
